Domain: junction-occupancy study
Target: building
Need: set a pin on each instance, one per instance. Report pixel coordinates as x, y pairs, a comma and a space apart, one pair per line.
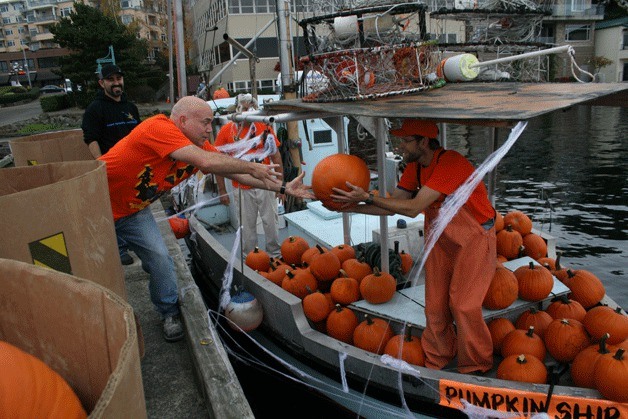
611, 41
27, 45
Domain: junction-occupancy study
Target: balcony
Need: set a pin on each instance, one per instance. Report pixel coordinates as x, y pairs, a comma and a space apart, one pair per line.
37, 4
44, 36
573, 12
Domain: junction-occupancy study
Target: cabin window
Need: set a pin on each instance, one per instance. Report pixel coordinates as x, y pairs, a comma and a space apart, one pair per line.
322, 137
624, 76
577, 32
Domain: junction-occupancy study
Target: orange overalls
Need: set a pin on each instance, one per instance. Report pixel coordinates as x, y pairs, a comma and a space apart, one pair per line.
458, 272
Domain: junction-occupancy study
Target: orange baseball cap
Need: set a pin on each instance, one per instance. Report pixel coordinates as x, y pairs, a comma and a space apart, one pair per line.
416, 127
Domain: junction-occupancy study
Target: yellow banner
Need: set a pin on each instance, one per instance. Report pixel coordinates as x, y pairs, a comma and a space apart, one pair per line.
524, 402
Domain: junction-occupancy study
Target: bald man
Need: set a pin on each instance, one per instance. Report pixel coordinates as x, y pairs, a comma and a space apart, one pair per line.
156, 156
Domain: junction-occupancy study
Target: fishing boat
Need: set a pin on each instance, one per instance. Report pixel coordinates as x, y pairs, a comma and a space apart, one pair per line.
374, 84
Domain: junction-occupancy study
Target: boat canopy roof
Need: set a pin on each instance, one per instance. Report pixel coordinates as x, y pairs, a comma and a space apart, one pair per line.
491, 104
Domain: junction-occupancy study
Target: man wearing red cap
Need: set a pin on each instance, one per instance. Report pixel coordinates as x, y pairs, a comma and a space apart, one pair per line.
460, 267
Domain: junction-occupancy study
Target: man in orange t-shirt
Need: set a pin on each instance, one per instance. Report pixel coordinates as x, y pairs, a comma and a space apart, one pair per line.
251, 202
461, 265
156, 156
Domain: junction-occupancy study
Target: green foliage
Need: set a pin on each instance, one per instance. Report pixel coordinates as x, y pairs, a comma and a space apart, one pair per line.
12, 94
34, 128
55, 103
84, 98
599, 62
89, 33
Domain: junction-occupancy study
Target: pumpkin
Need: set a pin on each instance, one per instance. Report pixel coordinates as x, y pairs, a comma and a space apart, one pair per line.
345, 290
406, 259
341, 324
258, 260
221, 93
499, 221
584, 363
527, 369
407, 348
29, 388
499, 328
317, 306
603, 319
560, 271
509, 242
357, 268
503, 290
565, 338
276, 273
501, 259
585, 287
564, 308
180, 226
519, 222
299, 282
311, 253
611, 375
378, 287
533, 317
344, 252
372, 334
326, 266
535, 282
549, 263
535, 246
334, 172
523, 342
292, 249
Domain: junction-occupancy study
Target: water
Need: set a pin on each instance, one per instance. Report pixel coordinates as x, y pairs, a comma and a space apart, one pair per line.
568, 172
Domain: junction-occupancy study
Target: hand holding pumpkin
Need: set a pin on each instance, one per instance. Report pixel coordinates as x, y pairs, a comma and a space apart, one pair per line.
354, 195
297, 189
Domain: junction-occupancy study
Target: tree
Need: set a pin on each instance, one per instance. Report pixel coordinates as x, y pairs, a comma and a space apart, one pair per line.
88, 33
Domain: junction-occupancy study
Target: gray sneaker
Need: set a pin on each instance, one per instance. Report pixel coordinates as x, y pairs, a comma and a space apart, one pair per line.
173, 328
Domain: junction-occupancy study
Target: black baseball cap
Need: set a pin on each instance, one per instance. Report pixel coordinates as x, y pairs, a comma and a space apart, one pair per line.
110, 69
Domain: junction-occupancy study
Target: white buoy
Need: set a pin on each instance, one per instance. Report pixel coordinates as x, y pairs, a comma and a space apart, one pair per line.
244, 312
460, 67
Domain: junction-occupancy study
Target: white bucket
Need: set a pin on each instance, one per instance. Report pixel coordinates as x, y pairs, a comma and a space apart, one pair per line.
458, 68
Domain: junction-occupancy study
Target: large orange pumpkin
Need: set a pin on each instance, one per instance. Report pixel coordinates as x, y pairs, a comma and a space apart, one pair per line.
534, 246
345, 290
586, 288
519, 221
29, 388
611, 375
583, 365
527, 369
299, 282
258, 260
317, 306
499, 328
357, 268
372, 334
565, 338
341, 324
333, 172
378, 287
535, 282
292, 248
503, 290
523, 342
603, 319
344, 252
509, 243
533, 317
325, 266
564, 308
407, 348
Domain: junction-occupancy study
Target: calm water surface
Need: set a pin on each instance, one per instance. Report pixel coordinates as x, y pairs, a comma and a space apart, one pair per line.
568, 172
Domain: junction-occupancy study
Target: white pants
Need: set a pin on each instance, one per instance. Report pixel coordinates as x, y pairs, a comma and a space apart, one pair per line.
254, 202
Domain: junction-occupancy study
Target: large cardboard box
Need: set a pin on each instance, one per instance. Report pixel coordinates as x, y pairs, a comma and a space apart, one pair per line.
83, 331
59, 215
50, 147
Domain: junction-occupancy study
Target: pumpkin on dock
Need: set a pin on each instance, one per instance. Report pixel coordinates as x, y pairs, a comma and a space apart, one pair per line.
534, 317
565, 338
534, 246
524, 342
503, 290
582, 367
341, 324
292, 248
519, 222
524, 368
258, 260
611, 375
372, 334
603, 319
535, 282
509, 242
378, 287
586, 288
564, 308
407, 348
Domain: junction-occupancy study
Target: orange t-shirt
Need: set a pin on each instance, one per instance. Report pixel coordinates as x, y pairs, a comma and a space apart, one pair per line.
230, 131
140, 169
446, 172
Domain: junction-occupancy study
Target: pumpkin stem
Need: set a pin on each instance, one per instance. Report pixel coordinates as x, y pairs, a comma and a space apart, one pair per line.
522, 251
509, 227
396, 246
557, 261
338, 308
376, 271
619, 355
521, 359
368, 319
564, 299
603, 349
320, 249
289, 274
256, 250
570, 273
531, 265
530, 331
408, 337
343, 273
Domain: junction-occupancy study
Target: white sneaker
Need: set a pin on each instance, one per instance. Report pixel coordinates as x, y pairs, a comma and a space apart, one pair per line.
173, 328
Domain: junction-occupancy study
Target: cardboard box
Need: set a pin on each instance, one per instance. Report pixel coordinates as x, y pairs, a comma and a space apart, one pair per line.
50, 147
59, 215
81, 330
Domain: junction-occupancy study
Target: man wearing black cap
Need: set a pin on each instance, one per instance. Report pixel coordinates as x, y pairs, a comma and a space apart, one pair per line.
108, 119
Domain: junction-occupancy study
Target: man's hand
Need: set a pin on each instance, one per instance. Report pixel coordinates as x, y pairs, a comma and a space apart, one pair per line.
354, 195
297, 189
266, 173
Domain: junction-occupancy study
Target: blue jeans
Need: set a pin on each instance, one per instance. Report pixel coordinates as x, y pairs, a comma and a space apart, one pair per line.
141, 233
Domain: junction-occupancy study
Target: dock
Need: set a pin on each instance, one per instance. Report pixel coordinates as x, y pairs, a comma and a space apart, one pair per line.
192, 378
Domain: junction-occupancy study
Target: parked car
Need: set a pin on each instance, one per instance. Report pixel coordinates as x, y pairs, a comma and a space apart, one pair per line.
51, 88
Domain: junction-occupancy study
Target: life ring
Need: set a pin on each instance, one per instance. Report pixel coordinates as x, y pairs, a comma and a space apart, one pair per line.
348, 74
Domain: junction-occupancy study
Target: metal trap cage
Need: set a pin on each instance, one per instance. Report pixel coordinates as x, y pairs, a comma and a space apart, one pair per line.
365, 73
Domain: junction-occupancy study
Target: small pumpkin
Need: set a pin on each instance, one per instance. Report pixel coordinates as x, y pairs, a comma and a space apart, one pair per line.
547, 262
499, 328
564, 308
534, 317
406, 262
30, 388
509, 242
523, 342
611, 375
357, 268
499, 221
372, 334
503, 290
406, 347
535, 246
334, 172
317, 306
221, 93
535, 282
345, 290
258, 260
519, 221
527, 369
565, 338
180, 226
292, 248
378, 287
344, 252
299, 282
311, 253
582, 367
276, 273
586, 288
325, 266
603, 319
341, 324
